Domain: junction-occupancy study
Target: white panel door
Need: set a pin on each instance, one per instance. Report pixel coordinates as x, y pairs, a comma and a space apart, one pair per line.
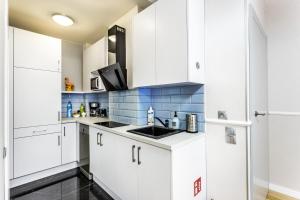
69, 136
37, 97
144, 48
126, 170
154, 174
171, 41
36, 51
94, 152
259, 105
37, 153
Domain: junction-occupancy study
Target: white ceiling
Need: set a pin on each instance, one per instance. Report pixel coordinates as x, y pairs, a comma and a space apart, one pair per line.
92, 17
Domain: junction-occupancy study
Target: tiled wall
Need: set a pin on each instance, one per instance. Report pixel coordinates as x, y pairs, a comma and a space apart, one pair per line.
131, 106
77, 99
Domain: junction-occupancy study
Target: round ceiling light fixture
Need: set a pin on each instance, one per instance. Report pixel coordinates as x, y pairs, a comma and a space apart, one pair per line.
62, 20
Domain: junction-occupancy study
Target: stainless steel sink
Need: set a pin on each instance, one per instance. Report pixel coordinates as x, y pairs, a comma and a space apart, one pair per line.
155, 132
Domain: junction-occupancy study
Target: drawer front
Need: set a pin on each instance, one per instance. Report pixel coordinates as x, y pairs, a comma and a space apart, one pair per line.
37, 130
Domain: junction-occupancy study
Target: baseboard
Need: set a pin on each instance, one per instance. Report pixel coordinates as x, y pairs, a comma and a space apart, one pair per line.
282, 193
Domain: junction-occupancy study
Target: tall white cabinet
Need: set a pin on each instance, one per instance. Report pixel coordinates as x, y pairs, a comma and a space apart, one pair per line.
36, 66
168, 43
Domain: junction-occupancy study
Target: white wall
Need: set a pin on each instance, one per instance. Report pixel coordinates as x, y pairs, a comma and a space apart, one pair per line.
126, 22
259, 7
283, 30
72, 64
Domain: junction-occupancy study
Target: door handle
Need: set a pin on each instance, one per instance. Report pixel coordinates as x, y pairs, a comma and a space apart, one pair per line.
132, 151
58, 140
256, 113
98, 142
64, 131
101, 144
139, 161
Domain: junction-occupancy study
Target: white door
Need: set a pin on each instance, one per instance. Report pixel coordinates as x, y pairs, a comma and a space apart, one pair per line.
171, 41
154, 174
3, 96
259, 110
126, 170
144, 48
36, 51
37, 97
69, 136
36, 153
94, 151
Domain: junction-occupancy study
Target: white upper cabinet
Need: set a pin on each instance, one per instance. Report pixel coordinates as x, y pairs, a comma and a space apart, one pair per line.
144, 48
36, 51
94, 57
176, 45
37, 97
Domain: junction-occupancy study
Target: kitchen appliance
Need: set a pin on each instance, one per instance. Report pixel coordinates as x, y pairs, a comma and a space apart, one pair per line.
114, 76
103, 112
191, 123
94, 109
111, 124
95, 83
84, 150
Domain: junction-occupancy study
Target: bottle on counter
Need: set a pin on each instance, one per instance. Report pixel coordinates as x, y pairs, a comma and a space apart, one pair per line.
150, 116
69, 109
175, 121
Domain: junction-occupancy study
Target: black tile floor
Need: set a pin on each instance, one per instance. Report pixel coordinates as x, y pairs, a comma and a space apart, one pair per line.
75, 188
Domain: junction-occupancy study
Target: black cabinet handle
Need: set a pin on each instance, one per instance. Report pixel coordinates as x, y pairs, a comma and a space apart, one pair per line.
98, 134
101, 139
64, 131
132, 151
139, 161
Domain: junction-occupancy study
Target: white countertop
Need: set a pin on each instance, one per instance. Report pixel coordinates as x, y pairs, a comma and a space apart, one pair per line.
170, 143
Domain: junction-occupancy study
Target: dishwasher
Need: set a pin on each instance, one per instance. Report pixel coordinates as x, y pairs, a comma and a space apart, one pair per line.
84, 150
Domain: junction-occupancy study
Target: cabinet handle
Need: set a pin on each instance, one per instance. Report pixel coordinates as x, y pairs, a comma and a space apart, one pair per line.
132, 151
58, 116
197, 65
64, 131
58, 140
139, 161
98, 134
101, 139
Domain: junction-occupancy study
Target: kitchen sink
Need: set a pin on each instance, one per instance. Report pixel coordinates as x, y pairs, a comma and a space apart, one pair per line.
155, 132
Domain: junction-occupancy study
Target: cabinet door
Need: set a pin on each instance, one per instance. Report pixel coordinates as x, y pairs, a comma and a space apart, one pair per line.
36, 51
126, 171
37, 153
37, 97
171, 41
154, 172
144, 48
94, 57
69, 143
94, 151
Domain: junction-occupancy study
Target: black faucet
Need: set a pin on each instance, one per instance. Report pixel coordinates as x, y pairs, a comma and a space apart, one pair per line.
166, 124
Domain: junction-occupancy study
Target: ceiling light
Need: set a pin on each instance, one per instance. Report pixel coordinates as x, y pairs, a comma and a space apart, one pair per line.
63, 20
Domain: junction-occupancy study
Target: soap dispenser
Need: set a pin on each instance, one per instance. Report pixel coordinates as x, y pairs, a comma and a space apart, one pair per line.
175, 121
150, 116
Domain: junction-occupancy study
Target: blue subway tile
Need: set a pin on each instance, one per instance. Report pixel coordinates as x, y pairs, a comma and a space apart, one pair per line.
181, 99
197, 98
170, 90
193, 89
162, 114
156, 91
170, 107
131, 99
191, 108
143, 106
161, 99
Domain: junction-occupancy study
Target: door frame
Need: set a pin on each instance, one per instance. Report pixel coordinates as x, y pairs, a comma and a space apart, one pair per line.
251, 15
4, 95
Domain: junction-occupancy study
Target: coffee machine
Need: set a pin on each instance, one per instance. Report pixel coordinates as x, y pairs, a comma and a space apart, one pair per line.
94, 109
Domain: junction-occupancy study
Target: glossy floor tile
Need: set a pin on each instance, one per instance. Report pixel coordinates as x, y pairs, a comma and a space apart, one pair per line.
76, 188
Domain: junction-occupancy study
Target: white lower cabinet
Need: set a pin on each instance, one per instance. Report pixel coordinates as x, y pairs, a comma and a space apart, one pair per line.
130, 169
36, 153
69, 135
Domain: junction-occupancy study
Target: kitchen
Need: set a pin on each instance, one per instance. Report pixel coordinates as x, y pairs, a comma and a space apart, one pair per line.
141, 99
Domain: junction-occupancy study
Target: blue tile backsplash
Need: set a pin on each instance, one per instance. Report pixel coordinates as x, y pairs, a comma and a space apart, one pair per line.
131, 106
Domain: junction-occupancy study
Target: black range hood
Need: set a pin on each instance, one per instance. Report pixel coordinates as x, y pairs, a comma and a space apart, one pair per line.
114, 76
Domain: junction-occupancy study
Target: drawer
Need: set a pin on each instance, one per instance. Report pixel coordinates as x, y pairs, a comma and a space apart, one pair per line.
36, 130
